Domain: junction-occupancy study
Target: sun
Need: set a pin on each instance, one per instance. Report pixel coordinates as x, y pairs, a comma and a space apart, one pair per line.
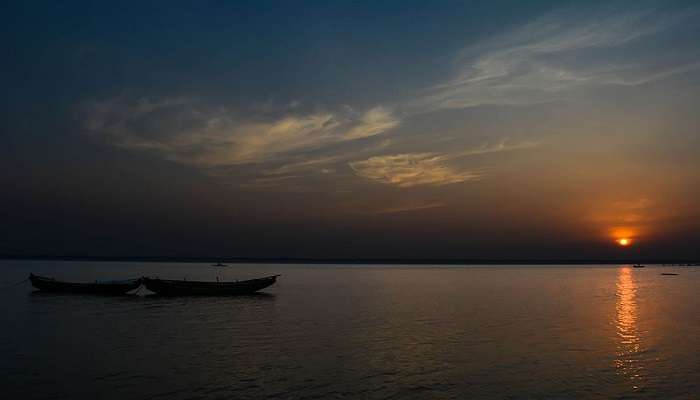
624, 242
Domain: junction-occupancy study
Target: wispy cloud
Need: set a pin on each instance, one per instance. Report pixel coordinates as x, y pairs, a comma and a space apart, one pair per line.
641, 79
503, 145
306, 164
373, 122
409, 208
538, 62
545, 60
412, 169
433, 169
321, 163
634, 204
270, 182
185, 131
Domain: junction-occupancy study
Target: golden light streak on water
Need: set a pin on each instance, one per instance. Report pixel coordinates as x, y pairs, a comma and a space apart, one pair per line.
629, 345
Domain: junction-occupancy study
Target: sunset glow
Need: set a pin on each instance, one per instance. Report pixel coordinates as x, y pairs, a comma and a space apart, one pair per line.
624, 242
358, 130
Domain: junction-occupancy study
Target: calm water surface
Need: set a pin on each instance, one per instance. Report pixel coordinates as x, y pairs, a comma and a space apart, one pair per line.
359, 332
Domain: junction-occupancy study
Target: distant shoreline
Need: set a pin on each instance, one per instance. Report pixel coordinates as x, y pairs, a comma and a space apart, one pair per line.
381, 261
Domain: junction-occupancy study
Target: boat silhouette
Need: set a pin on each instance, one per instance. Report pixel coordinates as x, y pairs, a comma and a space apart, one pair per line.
105, 287
166, 287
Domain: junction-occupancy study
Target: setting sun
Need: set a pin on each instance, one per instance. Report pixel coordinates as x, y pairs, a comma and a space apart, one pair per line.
624, 242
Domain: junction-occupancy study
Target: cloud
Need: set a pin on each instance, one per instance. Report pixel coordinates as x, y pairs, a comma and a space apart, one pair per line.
504, 145
640, 203
188, 132
654, 76
270, 182
412, 169
541, 61
408, 208
305, 164
416, 169
319, 164
373, 122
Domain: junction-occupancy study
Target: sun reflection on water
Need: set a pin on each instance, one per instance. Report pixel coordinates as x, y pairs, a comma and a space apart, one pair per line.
629, 345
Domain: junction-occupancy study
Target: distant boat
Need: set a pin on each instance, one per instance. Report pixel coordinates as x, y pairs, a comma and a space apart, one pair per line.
638, 266
106, 287
166, 287
668, 273
219, 264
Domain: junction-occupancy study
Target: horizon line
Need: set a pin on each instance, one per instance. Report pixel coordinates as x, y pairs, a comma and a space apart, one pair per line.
359, 260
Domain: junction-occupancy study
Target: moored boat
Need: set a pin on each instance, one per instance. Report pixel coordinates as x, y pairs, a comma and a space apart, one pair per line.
105, 287
166, 287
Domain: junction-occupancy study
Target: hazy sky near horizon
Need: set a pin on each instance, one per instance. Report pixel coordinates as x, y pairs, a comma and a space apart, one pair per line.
500, 129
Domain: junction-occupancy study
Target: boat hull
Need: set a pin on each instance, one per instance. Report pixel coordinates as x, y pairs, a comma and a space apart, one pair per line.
103, 288
165, 287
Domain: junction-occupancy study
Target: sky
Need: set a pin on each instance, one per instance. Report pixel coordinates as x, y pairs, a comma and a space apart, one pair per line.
378, 129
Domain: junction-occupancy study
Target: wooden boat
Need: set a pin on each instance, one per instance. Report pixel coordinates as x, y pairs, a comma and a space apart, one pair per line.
638, 266
669, 273
167, 287
105, 287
